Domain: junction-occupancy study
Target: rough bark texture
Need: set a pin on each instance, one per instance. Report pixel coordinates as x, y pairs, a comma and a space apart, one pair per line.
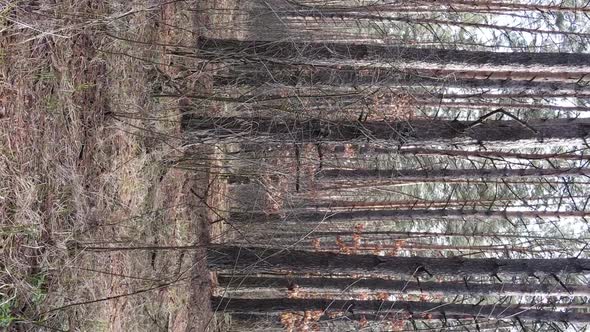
214, 48
265, 260
314, 130
481, 154
343, 175
342, 19
439, 5
395, 214
375, 307
486, 104
343, 285
346, 76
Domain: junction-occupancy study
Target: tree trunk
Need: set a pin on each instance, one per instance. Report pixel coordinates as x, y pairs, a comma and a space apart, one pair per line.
325, 101
387, 307
333, 205
346, 76
507, 182
431, 132
263, 260
401, 321
400, 214
333, 179
249, 284
372, 245
362, 243
342, 18
381, 239
290, 230
500, 95
340, 53
336, 176
480, 154
443, 5
356, 103
486, 104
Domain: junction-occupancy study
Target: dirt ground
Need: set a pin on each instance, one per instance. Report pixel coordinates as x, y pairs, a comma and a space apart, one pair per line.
99, 231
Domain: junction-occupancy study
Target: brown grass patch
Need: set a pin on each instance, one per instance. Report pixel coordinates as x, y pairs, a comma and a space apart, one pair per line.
83, 168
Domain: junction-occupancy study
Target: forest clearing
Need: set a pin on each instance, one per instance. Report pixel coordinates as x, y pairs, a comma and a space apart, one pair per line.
294, 165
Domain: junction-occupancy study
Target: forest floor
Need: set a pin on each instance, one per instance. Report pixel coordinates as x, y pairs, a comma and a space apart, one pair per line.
86, 190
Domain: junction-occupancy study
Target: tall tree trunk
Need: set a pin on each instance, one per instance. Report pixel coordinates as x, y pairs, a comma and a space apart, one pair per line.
486, 104
501, 95
508, 182
342, 18
558, 67
335, 176
400, 214
401, 321
346, 76
339, 53
441, 5
362, 243
376, 307
335, 205
369, 245
430, 132
250, 285
466, 153
364, 97
381, 239
289, 230
356, 103
264, 260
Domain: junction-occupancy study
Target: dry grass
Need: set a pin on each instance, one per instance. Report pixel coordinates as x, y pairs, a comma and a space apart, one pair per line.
83, 156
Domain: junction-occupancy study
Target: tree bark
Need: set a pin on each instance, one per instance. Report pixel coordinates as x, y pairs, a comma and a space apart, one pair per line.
403, 214
505, 105
369, 245
428, 204
375, 307
335, 176
263, 260
375, 285
399, 133
346, 76
295, 52
480, 154
486, 95
272, 322
290, 230
446, 6
358, 102
327, 17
